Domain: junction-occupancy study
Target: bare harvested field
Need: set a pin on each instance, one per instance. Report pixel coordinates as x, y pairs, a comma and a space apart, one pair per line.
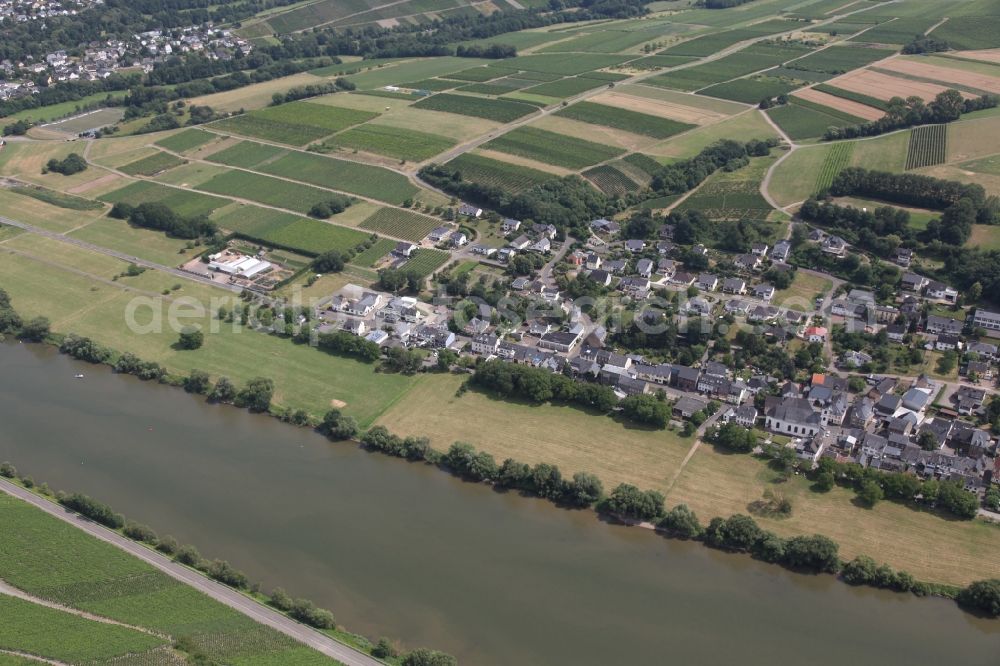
937, 72
839, 103
701, 102
685, 114
597, 133
986, 55
256, 96
973, 138
102, 184
885, 87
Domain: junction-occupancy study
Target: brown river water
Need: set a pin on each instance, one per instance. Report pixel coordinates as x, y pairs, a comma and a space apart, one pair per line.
406, 551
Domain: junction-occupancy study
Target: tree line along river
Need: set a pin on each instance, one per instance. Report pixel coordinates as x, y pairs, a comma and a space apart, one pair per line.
403, 550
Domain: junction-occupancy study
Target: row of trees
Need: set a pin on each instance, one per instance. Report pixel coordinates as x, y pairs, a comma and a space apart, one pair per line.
947, 106
311, 90
538, 385
157, 216
342, 342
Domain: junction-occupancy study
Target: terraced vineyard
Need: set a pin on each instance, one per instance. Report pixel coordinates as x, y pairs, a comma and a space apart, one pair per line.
611, 181
500, 110
246, 154
180, 201
186, 140
152, 165
367, 258
425, 261
403, 144
361, 179
296, 123
928, 146
553, 148
493, 173
630, 121
400, 223
267, 190
836, 161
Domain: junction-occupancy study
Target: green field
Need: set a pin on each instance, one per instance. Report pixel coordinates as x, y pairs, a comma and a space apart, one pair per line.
838, 159
900, 31
715, 42
295, 123
246, 154
630, 121
552, 148
752, 90
644, 163
971, 32
54, 634
152, 165
400, 223
494, 173
134, 241
559, 63
751, 59
425, 262
800, 121
313, 237
253, 220
500, 110
180, 201
611, 181
57, 562
567, 87
839, 59
361, 179
267, 190
55, 198
476, 74
378, 249
436, 85
402, 144
305, 377
186, 140
928, 146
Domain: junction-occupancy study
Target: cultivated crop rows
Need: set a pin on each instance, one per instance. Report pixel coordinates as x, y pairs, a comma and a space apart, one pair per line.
928, 146
836, 161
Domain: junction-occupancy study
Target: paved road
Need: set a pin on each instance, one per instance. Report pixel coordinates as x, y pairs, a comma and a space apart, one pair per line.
314, 639
117, 255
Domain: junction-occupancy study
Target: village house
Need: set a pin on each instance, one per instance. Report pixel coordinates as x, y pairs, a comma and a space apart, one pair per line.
759, 249
707, 282
510, 225
635, 245
734, 286
943, 325
468, 210
987, 320
747, 262
834, 245
644, 267
904, 256
764, 292
913, 282
404, 250
781, 251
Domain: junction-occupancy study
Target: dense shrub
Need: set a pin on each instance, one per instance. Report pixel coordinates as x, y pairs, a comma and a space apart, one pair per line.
91, 508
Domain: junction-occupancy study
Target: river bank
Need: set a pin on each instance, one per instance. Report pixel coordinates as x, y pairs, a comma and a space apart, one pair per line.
400, 549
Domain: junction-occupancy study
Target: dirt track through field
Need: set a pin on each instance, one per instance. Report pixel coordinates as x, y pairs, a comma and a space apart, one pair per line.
839, 103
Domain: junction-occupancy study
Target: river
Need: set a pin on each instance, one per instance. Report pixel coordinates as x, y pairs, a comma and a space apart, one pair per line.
404, 550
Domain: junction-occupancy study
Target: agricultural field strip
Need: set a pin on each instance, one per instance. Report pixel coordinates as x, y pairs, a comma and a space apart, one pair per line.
477, 142
290, 180
146, 561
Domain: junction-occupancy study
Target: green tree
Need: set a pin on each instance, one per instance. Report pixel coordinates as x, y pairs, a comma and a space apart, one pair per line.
425, 657
223, 391
982, 596
191, 338
681, 521
870, 493
197, 381
824, 481
35, 330
629, 502
256, 395
330, 261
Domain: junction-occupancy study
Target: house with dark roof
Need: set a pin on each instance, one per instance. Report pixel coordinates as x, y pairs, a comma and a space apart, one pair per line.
792, 416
